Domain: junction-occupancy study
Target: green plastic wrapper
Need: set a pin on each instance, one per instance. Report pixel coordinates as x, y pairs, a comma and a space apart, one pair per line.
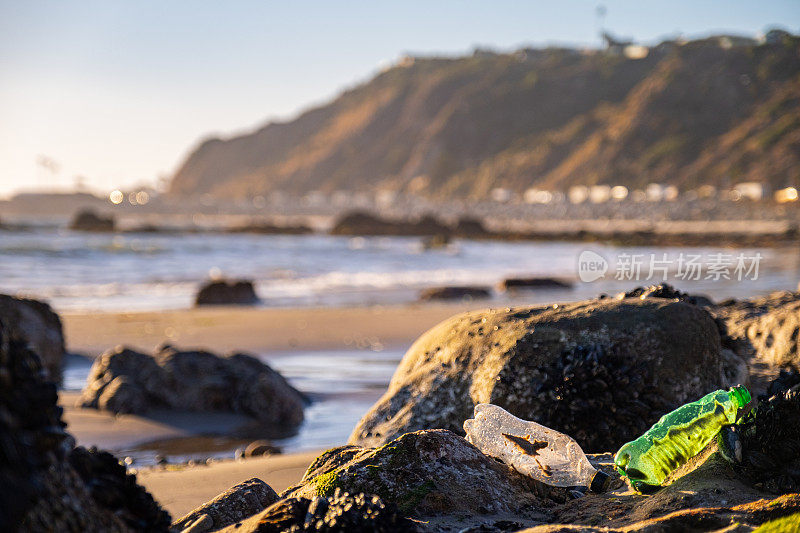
677, 437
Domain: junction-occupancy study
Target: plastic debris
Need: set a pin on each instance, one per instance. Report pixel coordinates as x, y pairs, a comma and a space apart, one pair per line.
532, 449
678, 436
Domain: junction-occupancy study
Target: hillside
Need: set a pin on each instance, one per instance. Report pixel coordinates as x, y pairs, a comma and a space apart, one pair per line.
690, 114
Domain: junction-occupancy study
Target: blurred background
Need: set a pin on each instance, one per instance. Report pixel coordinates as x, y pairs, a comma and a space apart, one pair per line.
412, 159
255, 128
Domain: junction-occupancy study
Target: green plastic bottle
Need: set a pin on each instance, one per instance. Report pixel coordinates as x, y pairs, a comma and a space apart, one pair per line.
677, 437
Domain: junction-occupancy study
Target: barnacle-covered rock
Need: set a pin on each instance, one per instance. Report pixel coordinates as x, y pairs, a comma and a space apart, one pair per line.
342, 511
602, 371
426, 474
765, 447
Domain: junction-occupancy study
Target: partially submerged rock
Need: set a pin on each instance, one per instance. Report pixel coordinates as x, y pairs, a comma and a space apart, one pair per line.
364, 223
454, 292
36, 325
88, 220
520, 284
225, 292
601, 371
125, 381
271, 229
233, 505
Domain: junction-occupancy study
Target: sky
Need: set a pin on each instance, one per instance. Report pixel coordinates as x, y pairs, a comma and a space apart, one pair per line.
114, 94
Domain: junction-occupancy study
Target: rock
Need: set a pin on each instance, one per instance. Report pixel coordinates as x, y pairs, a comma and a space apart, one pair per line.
89, 220
122, 397
454, 293
471, 228
233, 505
667, 291
239, 292
601, 371
270, 229
425, 473
35, 324
765, 447
45, 483
363, 223
260, 447
436, 242
764, 329
125, 381
340, 512
112, 487
513, 284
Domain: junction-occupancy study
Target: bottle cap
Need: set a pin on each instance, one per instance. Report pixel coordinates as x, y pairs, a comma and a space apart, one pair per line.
599, 482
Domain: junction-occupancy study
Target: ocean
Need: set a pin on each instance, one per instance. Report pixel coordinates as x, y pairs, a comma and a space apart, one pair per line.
78, 272
124, 272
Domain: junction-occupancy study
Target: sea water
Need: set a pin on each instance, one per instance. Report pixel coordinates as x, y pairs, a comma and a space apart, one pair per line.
117, 272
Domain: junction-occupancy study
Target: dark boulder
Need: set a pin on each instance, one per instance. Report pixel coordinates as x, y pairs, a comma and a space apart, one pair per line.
125, 381
471, 228
363, 223
454, 292
36, 325
222, 292
517, 284
271, 229
89, 220
45, 483
111, 485
602, 371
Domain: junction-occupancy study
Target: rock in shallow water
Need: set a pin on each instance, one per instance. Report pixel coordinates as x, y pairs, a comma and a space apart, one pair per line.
224, 292
125, 381
602, 371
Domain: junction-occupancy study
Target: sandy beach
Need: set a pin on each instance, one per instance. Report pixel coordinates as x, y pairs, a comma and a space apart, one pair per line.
181, 488
179, 491
224, 329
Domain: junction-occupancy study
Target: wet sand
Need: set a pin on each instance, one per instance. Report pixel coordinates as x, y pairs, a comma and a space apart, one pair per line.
180, 491
224, 329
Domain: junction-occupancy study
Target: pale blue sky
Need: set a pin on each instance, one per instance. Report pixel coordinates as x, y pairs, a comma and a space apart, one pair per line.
120, 91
